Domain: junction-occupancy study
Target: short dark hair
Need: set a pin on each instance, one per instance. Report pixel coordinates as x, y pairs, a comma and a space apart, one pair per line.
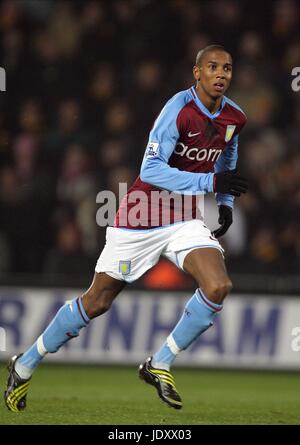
208, 49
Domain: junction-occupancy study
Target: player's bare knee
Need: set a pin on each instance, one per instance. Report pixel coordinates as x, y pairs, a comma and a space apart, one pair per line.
98, 302
217, 290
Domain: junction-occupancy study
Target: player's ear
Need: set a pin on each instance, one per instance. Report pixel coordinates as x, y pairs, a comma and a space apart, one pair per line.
196, 72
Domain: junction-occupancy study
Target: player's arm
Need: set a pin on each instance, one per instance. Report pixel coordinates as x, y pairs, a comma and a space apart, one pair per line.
162, 142
227, 161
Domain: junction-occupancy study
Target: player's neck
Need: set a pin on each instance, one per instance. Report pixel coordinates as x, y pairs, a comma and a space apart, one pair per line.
209, 102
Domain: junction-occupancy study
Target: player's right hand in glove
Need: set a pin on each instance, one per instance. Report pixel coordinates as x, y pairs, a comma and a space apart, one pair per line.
230, 182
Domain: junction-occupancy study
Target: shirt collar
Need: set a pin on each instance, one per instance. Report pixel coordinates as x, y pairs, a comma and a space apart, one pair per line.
203, 107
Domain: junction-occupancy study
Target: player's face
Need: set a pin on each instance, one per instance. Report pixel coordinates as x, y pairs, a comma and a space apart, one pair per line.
215, 73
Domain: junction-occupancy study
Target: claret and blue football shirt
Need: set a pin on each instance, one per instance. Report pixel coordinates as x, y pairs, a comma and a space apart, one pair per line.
186, 146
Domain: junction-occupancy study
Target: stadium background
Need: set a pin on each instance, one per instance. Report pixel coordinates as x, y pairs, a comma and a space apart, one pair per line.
84, 82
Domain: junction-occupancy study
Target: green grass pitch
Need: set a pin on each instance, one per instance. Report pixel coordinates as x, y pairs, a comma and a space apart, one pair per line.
86, 395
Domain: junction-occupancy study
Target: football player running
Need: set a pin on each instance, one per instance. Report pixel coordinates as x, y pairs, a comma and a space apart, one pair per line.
192, 150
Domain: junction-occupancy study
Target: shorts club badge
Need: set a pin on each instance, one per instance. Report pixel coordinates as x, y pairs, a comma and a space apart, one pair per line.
124, 267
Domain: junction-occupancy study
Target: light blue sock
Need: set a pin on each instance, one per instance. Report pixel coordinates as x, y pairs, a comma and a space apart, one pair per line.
65, 325
198, 316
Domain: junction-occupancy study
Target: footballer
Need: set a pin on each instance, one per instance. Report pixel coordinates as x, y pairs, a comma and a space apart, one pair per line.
192, 150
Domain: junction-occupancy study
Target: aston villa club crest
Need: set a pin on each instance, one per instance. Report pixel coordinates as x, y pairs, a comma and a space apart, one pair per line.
125, 267
229, 132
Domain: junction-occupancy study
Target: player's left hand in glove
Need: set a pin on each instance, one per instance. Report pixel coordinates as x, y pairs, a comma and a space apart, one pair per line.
225, 219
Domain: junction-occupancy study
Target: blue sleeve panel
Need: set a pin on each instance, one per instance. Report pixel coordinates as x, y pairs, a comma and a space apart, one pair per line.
227, 161
161, 144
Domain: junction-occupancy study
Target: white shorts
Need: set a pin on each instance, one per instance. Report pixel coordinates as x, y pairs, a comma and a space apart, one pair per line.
128, 253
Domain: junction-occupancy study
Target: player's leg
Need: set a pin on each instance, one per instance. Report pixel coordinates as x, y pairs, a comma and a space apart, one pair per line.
207, 267
66, 324
70, 319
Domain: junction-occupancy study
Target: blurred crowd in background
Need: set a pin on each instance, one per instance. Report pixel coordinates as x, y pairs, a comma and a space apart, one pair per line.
85, 81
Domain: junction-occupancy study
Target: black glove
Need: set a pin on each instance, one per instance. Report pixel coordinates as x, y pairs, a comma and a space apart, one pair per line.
230, 182
225, 219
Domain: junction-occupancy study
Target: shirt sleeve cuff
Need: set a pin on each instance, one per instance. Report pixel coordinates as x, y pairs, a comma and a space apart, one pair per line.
226, 200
